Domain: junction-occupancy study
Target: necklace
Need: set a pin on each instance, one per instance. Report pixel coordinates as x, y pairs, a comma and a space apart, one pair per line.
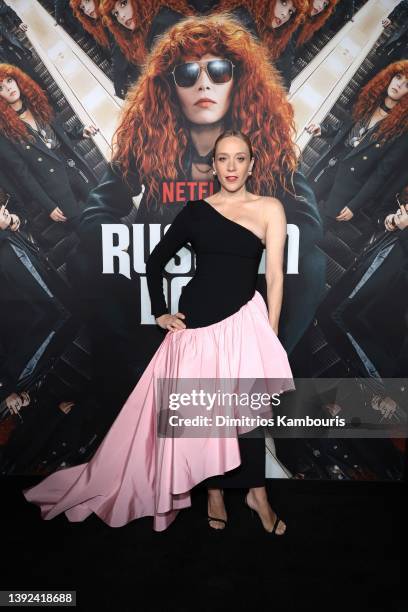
365, 129
360, 132
384, 107
46, 141
41, 132
22, 110
202, 159
43, 135
355, 140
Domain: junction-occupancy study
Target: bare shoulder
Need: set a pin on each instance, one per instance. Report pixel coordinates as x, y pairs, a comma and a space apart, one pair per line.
272, 207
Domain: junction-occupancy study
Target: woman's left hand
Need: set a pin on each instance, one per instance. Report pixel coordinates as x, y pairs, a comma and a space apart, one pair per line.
15, 224
90, 130
386, 405
14, 403
345, 214
401, 218
66, 406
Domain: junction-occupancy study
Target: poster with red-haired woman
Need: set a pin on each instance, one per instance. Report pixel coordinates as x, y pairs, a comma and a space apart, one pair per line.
90, 15
204, 68
203, 298
240, 89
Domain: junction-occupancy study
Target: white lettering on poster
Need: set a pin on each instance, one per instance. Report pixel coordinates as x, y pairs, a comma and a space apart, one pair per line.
116, 259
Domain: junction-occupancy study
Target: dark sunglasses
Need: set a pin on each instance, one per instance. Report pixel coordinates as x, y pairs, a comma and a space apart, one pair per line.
218, 70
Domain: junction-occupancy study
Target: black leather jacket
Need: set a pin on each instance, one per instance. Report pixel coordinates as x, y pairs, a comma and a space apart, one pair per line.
41, 173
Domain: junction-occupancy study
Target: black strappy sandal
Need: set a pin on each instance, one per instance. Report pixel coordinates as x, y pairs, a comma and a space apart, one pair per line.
212, 518
276, 523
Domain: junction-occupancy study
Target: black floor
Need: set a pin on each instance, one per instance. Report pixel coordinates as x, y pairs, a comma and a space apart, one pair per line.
342, 550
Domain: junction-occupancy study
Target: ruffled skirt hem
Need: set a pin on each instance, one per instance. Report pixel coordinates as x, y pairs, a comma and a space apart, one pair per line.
135, 472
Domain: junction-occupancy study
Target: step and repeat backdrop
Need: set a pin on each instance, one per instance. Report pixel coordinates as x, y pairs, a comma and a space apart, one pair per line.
76, 229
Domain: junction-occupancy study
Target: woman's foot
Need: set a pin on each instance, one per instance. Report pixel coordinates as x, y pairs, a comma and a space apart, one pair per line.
216, 508
257, 499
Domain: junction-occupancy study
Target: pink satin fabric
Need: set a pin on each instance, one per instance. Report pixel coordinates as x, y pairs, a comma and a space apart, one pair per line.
134, 472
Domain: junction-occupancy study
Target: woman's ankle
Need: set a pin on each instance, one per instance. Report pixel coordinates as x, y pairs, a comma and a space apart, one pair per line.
215, 493
258, 494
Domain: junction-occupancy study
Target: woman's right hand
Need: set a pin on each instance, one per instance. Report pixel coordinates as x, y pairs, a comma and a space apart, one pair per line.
171, 322
58, 215
314, 129
390, 223
5, 218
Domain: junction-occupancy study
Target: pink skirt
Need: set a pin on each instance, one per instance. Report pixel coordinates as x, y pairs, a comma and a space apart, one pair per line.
135, 472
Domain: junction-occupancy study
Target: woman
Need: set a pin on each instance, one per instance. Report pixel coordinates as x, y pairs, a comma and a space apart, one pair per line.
10, 17
14, 51
37, 148
272, 22
355, 315
165, 16
129, 22
276, 21
240, 72
32, 311
232, 337
395, 47
367, 147
88, 12
316, 15
364, 320
240, 81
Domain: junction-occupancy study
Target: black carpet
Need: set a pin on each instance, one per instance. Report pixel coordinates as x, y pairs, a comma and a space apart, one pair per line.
343, 550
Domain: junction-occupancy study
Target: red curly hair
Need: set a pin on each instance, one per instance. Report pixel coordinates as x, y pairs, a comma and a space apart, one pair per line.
133, 43
396, 122
313, 24
259, 106
93, 26
262, 11
11, 126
